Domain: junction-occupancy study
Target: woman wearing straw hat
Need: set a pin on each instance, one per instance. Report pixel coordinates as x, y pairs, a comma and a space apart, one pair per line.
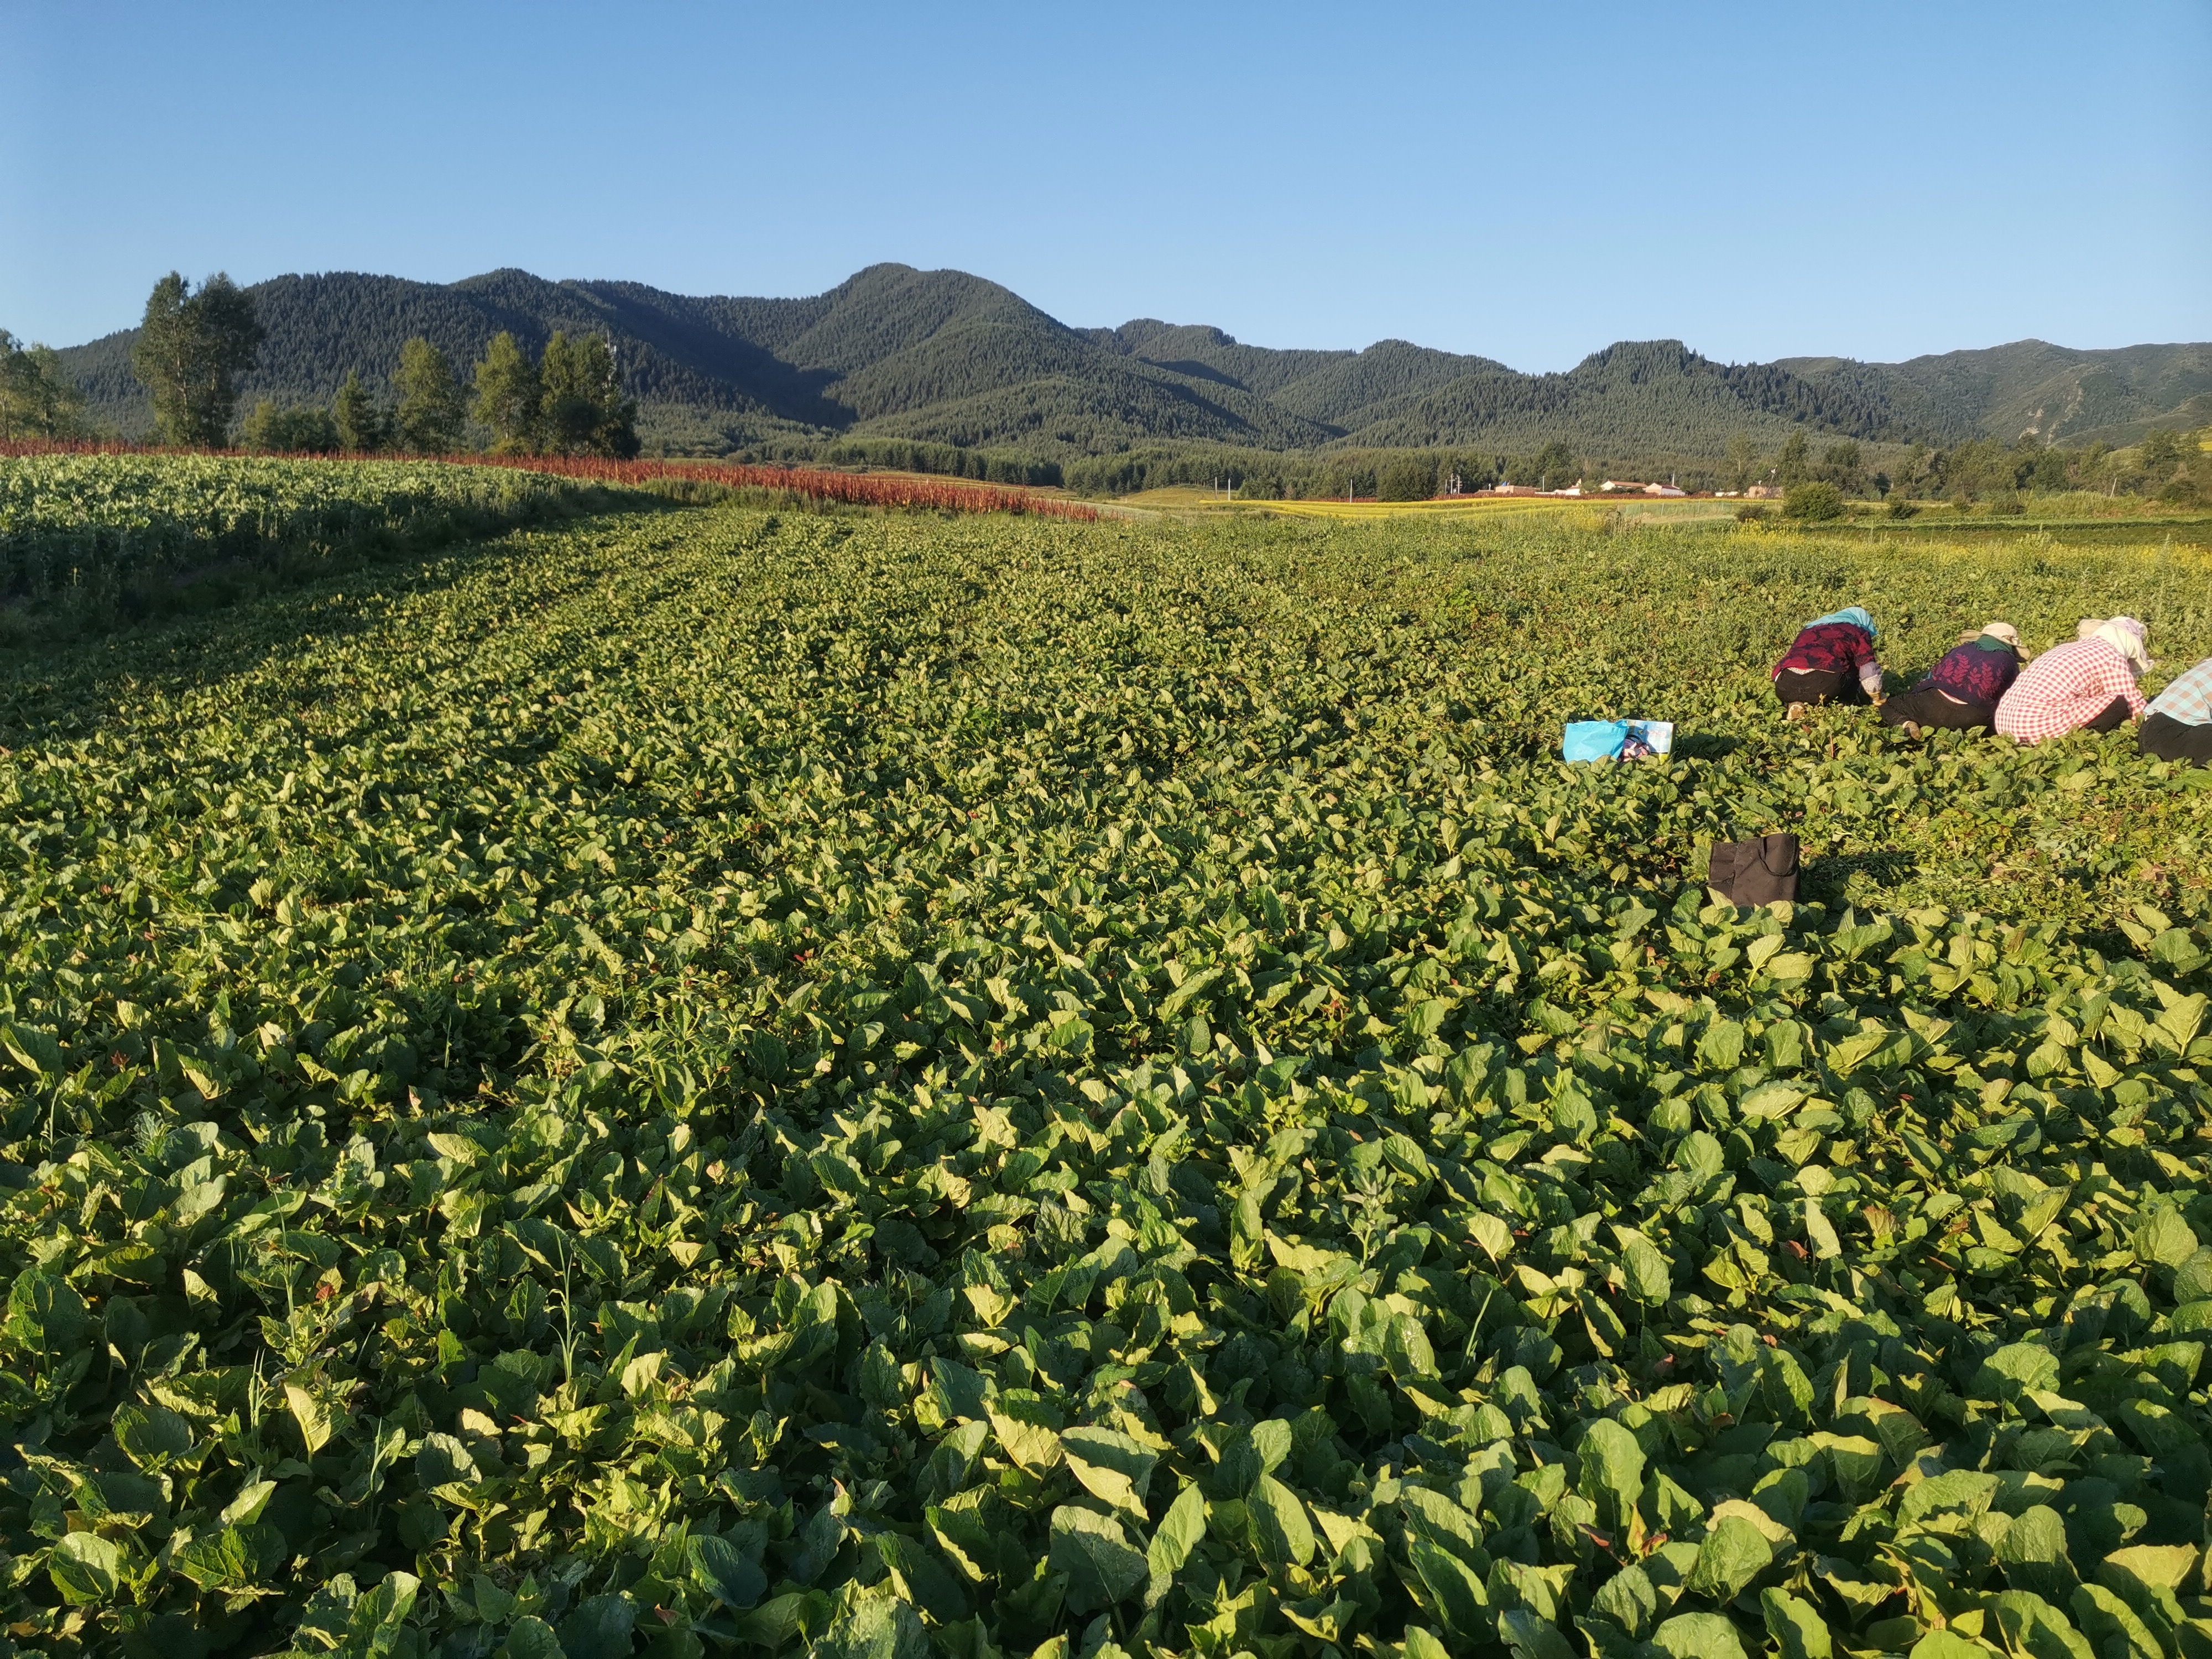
1961, 693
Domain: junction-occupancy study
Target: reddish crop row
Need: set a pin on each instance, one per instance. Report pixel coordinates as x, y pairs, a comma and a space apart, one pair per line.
862, 488
865, 489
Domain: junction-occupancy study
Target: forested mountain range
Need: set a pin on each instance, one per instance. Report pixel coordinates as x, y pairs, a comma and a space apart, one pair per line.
2060, 396
947, 357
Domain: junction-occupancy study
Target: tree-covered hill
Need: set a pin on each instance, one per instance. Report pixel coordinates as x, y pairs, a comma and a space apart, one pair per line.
1628, 398
2056, 392
946, 358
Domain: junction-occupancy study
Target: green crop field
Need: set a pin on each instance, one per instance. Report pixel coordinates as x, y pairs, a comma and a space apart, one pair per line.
699, 1080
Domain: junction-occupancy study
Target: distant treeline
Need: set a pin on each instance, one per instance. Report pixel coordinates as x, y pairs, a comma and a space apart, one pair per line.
1390, 475
902, 455
194, 345
2167, 465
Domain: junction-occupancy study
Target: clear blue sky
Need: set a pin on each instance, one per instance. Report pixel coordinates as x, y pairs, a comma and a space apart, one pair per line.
1529, 182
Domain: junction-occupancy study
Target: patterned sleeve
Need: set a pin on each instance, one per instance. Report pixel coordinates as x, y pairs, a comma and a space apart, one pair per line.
1863, 659
2116, 678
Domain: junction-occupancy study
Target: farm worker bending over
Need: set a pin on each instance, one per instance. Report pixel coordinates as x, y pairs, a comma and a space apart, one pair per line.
1831, 660
1961, 693
2087, 683
2179, 725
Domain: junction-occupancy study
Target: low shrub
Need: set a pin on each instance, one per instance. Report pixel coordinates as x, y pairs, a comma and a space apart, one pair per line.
1813, 502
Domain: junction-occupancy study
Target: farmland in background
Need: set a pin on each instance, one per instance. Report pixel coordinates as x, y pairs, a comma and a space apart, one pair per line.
687, 1077
95, 534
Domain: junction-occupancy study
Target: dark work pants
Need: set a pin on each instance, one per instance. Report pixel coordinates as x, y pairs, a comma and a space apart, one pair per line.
1821, 686
1931, 708
2116, 713
2164, 738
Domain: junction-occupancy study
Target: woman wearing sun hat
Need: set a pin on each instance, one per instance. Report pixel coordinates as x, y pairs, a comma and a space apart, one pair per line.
1961, 693
2088, 683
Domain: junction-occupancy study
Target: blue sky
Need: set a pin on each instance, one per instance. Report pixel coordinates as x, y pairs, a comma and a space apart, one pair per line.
1528, 182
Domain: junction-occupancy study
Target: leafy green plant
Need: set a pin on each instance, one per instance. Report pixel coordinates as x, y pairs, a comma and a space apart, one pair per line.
1815, 499
86, 538
752, 1083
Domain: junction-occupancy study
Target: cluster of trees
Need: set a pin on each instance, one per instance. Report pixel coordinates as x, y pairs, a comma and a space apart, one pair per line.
567, 402
195, 345
428, 415
2166, 465
570, 402
1841, 463
1260, 475
355, 423
2175, 466
36, 399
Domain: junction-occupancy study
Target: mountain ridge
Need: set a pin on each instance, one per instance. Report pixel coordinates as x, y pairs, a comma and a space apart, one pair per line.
947, 356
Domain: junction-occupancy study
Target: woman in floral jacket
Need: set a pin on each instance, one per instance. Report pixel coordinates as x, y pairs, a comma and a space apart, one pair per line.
1961, 693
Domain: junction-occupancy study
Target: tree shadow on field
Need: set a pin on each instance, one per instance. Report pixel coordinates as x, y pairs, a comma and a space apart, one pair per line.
61, 689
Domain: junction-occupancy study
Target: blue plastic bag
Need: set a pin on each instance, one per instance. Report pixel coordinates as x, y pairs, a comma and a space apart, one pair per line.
1601, 740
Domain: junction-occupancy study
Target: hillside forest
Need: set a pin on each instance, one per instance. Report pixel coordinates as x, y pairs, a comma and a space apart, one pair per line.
939, 372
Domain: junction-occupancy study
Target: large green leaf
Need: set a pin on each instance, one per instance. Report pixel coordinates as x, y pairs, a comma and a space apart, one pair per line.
1734, 1552
1697, 1636
86, 1567
1103, 1566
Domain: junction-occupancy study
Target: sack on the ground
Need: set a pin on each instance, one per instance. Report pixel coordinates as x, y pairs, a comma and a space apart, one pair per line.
1600, 740
1759, 871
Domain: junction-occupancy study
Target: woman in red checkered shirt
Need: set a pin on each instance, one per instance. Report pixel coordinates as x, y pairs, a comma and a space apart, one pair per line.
1831, 660
2086, 684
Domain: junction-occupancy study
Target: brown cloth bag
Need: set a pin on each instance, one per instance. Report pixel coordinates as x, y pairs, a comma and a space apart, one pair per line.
1759, 872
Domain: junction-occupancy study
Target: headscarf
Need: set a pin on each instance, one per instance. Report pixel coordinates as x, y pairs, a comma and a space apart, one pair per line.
1997, 636
2125, 635
1855, 615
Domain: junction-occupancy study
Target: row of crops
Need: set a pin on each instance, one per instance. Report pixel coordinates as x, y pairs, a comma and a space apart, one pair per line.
89, 538
886, 489
711, 1082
